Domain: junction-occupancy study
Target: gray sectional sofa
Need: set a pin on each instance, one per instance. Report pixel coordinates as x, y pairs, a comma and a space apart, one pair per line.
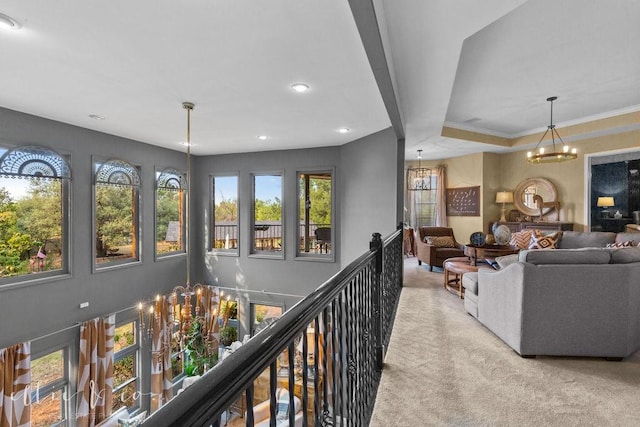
579, 300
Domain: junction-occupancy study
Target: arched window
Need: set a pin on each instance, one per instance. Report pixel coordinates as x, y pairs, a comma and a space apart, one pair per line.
34, 204
117, 211
171, 193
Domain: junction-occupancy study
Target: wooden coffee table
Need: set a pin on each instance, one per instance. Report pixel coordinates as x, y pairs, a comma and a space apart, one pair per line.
488, 252
457, 267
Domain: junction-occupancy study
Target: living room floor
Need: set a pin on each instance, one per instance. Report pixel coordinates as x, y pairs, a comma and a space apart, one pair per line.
445, 368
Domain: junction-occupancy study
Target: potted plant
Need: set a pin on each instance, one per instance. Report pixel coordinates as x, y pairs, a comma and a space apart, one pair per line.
197, 351
228, 335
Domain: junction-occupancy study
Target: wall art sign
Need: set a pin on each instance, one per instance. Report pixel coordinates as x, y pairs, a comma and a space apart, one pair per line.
463, 201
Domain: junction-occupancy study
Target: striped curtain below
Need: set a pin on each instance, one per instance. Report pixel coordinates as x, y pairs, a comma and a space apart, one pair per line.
161, 374
95, 371
15, 381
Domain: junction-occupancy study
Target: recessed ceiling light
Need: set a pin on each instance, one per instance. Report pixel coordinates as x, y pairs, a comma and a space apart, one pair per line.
96, 117
263, 137
8, 23
185, 143
300, 87
344, 130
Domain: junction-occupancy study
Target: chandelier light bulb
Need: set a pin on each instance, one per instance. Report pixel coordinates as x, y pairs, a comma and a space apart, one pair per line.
574, 151
565, 149
541, 150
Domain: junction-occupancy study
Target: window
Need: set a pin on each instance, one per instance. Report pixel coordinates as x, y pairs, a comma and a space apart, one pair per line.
49, 389
424, 204
126, 387
170, 212
225, 214
315, 213
262, 315
33, 211
267, 231
116, 197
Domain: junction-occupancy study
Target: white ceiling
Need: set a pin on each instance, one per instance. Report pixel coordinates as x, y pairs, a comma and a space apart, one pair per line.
454, 62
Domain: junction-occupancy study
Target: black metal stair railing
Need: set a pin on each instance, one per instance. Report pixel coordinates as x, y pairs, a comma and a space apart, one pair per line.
324, 355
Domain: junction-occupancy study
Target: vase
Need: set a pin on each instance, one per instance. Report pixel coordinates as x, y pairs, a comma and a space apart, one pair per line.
502, 234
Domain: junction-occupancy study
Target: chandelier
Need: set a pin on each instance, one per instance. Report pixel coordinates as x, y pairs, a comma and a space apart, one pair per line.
541, 155
419, 178
175, 320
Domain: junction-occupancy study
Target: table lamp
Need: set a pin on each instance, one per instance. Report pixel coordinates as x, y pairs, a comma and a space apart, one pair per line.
604, 203
504, 197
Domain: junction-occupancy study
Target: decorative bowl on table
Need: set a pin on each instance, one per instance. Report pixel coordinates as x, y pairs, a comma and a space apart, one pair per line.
478, 238
502, 235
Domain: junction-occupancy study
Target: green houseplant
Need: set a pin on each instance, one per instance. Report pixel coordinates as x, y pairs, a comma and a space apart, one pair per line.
198, 353
228, 335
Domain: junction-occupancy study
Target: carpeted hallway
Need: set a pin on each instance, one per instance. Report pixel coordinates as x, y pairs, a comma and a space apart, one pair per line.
443, 368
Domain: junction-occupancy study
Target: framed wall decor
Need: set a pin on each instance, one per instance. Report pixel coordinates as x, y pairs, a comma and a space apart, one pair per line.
463, 201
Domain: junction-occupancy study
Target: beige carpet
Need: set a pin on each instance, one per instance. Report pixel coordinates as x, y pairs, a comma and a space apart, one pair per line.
443, 368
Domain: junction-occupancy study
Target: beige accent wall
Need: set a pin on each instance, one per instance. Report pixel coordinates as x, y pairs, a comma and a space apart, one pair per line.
503, 172
466, 171
569, 177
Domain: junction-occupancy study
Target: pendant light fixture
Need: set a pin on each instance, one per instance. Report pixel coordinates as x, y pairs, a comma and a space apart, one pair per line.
419, 178
542, 155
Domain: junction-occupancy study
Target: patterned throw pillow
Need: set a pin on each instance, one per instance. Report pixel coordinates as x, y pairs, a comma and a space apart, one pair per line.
626, 244
440, 241
133, 421
544, 241
521, 239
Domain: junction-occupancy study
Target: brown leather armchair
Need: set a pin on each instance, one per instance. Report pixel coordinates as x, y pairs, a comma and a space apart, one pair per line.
435, 255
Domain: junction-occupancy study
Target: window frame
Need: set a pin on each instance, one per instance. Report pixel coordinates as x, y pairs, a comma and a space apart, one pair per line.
65, 223
136, 350
301, 255
137, 259
62, 384
211, 236
253, 251
183, 188
252, 313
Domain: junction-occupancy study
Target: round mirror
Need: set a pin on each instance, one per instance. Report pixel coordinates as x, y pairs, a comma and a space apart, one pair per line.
523, 195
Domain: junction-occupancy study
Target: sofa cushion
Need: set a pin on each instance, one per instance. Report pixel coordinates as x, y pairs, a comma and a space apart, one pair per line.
506, 260
626, 237
625, 244
544, 241
586, 239
625, 255
440, 241
566, 256
521, 239
470, 283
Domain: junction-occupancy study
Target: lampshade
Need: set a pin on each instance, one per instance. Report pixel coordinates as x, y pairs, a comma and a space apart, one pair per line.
605, 202
504, 197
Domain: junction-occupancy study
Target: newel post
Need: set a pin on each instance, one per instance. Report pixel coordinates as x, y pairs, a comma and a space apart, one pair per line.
376, 292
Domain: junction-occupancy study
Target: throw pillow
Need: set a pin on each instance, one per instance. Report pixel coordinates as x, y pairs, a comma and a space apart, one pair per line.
282, 411
133, 421
441, 241
521, 239
625, 244
544, 241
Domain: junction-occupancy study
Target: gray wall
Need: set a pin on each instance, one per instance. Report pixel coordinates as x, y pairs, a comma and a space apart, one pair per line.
370, 194
31, 310
366, 201
244, 272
